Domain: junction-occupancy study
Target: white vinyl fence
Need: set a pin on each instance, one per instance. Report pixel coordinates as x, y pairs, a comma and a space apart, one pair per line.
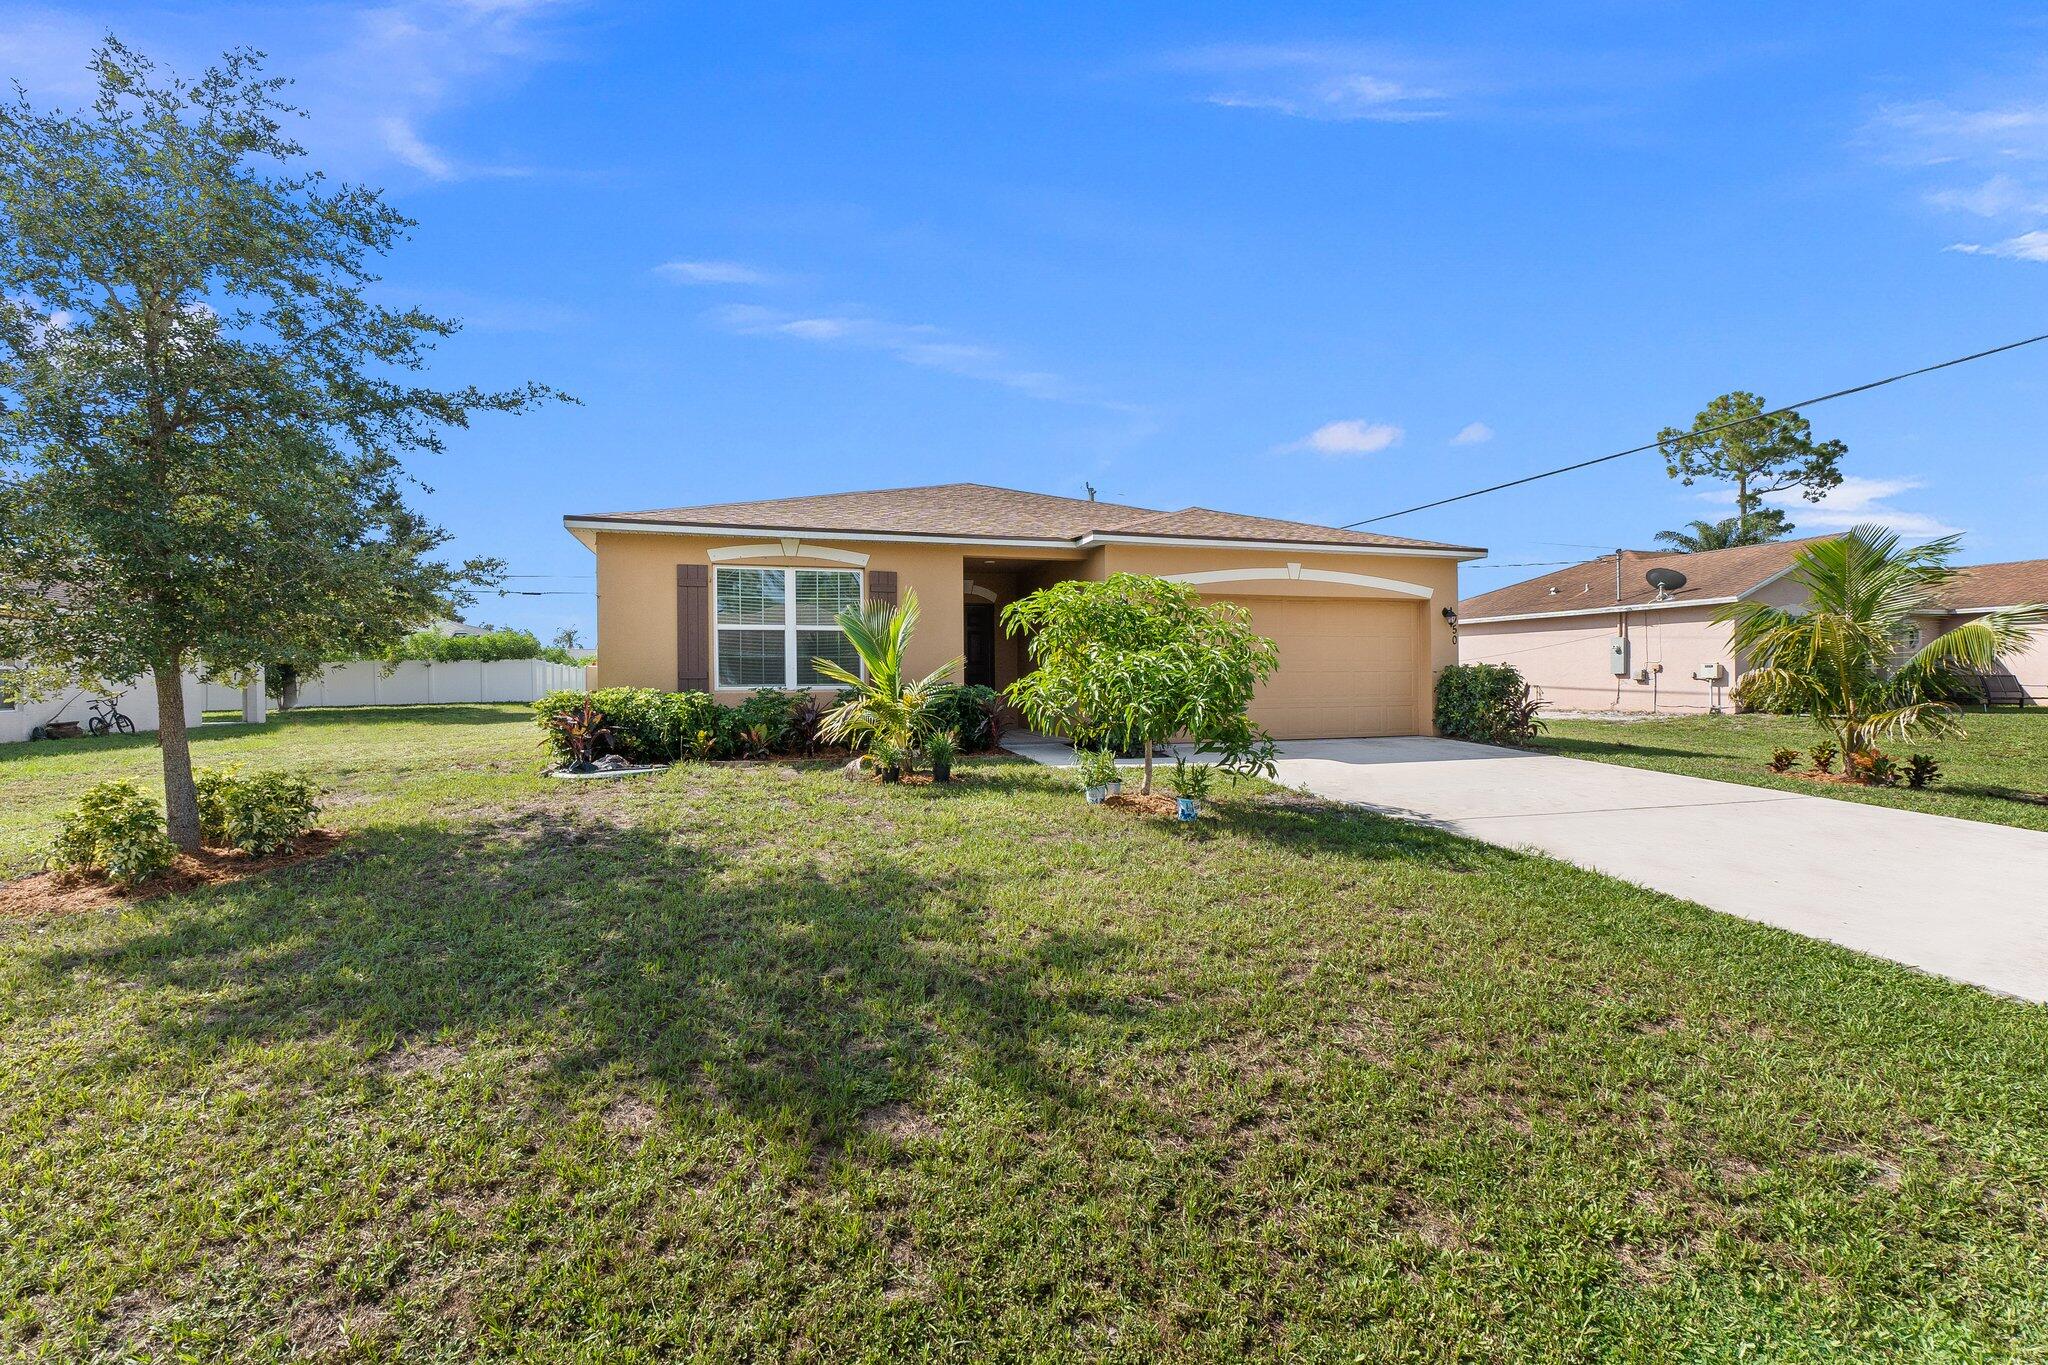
366, 683
20, 716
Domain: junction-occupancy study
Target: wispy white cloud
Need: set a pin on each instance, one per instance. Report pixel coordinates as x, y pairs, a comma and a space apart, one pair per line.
2028, 246
377, 78
1330, 82
1853, 502
1473, 434
1988, 160
1351, 437
714, 272
1998, 197
46, 51
919, 344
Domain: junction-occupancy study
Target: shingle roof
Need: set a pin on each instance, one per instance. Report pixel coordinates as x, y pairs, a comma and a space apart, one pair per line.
1981, 586
951, 510
1709, 575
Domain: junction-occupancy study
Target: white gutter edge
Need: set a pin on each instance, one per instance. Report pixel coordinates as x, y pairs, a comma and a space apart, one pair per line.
1607, 610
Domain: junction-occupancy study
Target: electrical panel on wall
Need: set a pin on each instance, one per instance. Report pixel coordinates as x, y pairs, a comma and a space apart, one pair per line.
1617, 656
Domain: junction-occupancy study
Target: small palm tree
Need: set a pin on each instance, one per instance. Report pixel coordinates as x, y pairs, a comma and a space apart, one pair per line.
882, 706
1843, 658
1758, 528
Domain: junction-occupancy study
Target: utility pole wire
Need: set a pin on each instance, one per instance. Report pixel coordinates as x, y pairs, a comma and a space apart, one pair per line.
1704, 431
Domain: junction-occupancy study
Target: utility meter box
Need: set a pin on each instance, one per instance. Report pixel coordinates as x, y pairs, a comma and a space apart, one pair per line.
1708, 673
1617, 656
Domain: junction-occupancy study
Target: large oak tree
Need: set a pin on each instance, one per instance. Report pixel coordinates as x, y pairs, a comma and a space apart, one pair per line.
203, 408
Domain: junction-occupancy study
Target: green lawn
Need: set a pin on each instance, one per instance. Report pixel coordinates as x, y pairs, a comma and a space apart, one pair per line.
1988, 775
751, 1062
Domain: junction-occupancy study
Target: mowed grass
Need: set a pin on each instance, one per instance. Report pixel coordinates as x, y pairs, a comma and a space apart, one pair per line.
1997, 773
751, 1062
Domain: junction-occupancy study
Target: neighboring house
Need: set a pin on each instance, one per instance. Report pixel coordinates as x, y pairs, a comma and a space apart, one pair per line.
1599, 637
742, 595
1981, 588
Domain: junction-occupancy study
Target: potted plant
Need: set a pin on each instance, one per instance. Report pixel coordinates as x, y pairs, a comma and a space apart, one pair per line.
940, 751
889, 759
1191, 784
1097, 768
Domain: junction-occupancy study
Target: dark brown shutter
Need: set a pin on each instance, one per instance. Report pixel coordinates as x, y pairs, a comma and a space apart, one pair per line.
882, 586
693, 628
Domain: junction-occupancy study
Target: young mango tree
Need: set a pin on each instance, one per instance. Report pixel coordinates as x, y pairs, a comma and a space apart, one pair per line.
202, 404
1135, 661
1842, 659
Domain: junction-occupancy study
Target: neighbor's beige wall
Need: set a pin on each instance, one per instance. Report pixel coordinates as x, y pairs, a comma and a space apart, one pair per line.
1566, 659
1440, 576
2028, 666
636, 598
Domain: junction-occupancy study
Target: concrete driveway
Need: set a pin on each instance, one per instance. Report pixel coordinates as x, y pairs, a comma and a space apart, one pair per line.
1955, 897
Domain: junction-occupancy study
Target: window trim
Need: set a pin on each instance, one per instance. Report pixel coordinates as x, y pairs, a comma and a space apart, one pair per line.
790, 626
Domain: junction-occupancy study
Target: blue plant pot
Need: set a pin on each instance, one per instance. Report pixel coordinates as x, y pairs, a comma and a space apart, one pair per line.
1186, 807
1096, 795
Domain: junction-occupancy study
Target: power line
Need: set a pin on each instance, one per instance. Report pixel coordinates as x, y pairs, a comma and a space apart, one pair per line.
1530, 564
1704, 431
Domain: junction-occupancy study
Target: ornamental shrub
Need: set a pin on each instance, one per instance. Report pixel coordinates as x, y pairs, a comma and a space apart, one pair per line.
968, 713
116, 831
431, 646
258, 813
1490, 703
647, 725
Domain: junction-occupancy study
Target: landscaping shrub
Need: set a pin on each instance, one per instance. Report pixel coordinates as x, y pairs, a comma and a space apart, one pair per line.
1824, 756
1873, 768
1489, 703
1922, 771
970, 714
646, 724
431, 646
116, 831
1783, 759
258, 813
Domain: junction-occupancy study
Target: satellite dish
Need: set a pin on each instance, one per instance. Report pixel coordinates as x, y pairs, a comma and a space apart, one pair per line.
1665, 581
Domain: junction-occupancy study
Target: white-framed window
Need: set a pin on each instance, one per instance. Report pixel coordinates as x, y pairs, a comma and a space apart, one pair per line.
770, 624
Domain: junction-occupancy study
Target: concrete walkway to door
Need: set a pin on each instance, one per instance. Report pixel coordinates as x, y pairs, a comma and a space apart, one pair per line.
1959, 898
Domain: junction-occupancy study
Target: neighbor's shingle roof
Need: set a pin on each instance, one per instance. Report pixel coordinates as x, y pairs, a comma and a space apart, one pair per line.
1980, 586
948, 510
1709, 574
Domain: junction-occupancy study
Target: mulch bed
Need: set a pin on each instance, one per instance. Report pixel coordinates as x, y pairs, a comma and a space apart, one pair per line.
47, 893
1155, 804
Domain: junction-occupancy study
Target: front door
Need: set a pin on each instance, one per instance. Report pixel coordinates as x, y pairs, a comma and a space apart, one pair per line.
980, 645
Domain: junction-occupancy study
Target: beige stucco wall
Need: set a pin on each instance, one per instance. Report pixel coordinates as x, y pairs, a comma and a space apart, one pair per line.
636, 575
1439, 576
1566, 659
2029, 666
636, 597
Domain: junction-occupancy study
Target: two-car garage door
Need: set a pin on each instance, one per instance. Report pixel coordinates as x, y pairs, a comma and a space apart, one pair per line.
1348, 666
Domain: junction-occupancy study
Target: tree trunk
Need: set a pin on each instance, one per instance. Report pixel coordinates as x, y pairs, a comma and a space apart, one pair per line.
1147, 788
181, 798
288, 694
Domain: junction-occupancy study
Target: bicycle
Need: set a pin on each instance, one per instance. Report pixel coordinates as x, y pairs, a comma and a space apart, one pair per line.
106, 718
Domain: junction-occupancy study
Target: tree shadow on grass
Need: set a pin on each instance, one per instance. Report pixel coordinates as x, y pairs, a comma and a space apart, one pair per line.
1564, 746
799, 987
1312, 824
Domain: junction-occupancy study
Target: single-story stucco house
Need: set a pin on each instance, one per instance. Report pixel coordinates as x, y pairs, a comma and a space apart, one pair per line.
736, 596
1599, 636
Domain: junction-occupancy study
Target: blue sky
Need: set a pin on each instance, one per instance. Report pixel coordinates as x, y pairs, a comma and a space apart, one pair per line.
1310, 261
